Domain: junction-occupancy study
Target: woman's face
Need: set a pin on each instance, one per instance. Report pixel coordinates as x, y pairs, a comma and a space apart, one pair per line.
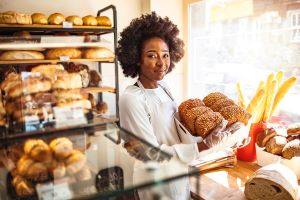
155, 61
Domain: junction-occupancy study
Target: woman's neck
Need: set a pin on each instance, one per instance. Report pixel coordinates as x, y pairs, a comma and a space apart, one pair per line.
147, 83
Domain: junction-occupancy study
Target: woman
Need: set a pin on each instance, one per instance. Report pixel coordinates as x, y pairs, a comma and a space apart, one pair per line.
148, 49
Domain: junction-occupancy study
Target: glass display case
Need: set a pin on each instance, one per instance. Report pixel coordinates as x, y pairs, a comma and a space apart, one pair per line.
59, 133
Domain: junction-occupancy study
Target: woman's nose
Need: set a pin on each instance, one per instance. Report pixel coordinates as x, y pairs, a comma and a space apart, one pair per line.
160, 61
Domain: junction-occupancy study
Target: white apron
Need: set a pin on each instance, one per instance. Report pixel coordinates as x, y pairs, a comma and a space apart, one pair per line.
162, 121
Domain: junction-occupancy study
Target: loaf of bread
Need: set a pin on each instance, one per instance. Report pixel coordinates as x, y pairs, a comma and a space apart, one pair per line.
75, 162
56, 18
21, 55
97, 53
29, 86
68, 81
185, 106
83, 103
69, 95
61, 147
103, 21
50, 71
75, 20
207, 122
89, 20
39, 18
38, 150
72, 53
11, 17
275, 181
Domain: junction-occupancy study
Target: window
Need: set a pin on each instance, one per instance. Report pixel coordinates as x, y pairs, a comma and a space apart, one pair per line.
235, 41
295, 25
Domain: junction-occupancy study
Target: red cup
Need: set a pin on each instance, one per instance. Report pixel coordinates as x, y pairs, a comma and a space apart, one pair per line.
248, 152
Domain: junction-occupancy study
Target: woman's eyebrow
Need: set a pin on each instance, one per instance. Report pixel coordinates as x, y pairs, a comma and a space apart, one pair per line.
151, 50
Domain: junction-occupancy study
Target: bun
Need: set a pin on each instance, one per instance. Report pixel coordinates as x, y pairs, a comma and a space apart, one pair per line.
11, 17
89, 20
211, 98
101, 107
75, 162
75, 20
221, 103
29, 86
95, 78
68, 81
61, 147
291, 149
275, 145
72, 53
263, 137
191, 115
56, 19
103, 21
206, 122
38, 150
22, 55
39, 18
98, 53
36, 171
22, 187
185, 106
49, 71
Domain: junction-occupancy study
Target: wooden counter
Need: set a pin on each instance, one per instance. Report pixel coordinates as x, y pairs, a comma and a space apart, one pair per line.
225, 183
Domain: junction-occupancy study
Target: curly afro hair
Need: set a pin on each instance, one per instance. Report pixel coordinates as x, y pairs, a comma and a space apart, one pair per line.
140, 29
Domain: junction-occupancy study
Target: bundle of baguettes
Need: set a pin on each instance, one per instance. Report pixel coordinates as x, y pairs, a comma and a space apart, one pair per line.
267, 97
275, 181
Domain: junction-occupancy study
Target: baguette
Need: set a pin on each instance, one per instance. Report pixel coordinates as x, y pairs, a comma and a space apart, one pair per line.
260, 86
241, 98
269, 100
253, 105
279, 77
283, 89
259, 111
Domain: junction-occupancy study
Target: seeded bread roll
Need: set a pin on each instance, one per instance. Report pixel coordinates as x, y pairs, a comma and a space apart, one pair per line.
187, 105
221, 103
61, 147
234, 114
211, 98
190, 117
275, 145
206, 122
291, 149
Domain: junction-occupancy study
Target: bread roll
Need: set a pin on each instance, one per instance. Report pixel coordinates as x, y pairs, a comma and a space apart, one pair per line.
211, 98
291, 149
39, 18
221, 103
275, 145
38, 150
206, 122
235, 113
22, 55
84, 104
22, 187
50, 71
56, 18
95, 78
61, 147
75, 20
68, 81
97, 53
89, 20
11, 17
70, 94
103, 21
72, 53
102, 107
263, 137
275, 181
75, 162
191, 115
187, 105
84, 174
59, 170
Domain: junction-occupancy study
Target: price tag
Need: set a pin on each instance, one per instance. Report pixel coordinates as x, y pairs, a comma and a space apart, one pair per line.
68, 116
49, 191
67, 25
64, 58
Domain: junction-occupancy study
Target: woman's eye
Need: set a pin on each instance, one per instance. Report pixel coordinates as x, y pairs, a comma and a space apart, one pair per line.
151, 56
166, 56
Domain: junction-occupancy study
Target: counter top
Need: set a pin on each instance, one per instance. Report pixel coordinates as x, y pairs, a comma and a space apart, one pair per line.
225, 183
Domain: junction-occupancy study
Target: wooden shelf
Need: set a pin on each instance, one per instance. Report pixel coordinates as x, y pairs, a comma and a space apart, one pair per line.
9, 62
99, 89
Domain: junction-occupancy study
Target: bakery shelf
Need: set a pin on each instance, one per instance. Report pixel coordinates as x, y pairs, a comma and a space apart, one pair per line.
9, 62
38, 28
99, 89
89, 127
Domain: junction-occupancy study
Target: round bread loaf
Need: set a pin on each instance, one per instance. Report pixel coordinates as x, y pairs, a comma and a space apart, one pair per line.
275, 145
103, 21
61, 147
75, 162
21, 55
11, 17
191, 115
50, 71
72, 53
98, 53
206, 122
75, 20
234, 114
56, 18
38, 150
89, 20
211, 98
275, 181
187, 105
68, 81
221, 103
39, 18
291, 149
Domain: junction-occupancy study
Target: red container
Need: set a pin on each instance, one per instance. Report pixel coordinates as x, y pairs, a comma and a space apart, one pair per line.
248, 152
